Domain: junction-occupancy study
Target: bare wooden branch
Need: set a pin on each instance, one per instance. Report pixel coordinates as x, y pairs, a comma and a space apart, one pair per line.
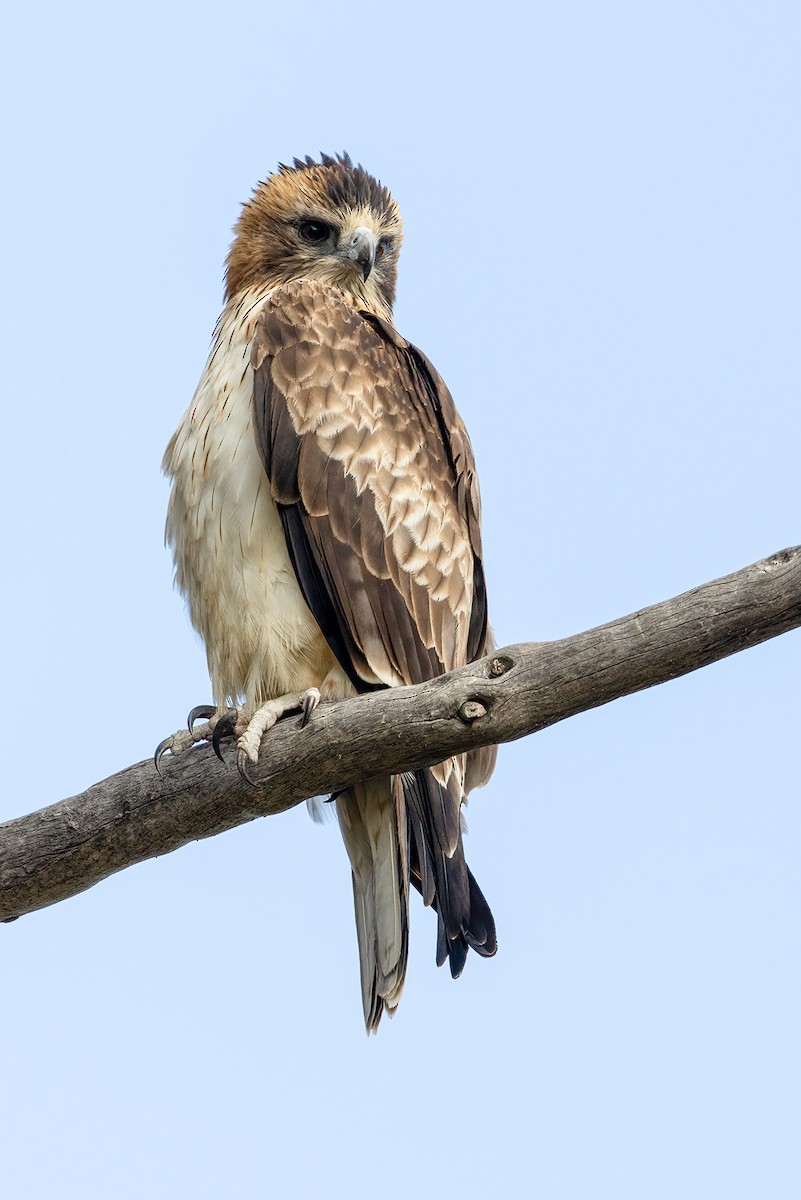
66, 848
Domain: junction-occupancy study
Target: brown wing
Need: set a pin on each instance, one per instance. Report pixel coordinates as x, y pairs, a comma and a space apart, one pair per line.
373, 474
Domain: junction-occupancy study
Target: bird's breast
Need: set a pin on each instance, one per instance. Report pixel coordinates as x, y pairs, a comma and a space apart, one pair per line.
231, 559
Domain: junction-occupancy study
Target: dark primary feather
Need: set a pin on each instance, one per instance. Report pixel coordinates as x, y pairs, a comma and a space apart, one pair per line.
445, 882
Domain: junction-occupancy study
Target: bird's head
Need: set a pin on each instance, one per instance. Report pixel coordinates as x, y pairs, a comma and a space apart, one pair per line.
327, 220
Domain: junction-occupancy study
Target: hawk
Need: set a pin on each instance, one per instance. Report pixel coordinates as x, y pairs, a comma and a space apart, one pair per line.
324, 520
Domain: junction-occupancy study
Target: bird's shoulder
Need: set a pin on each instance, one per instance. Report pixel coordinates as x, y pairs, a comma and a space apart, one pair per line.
337, 364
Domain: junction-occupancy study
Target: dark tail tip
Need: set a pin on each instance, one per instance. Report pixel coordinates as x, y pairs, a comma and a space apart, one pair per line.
444, 880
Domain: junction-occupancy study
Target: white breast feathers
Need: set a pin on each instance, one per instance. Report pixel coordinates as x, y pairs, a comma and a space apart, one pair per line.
231, 560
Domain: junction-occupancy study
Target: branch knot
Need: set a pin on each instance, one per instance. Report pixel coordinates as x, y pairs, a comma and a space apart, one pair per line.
471, 710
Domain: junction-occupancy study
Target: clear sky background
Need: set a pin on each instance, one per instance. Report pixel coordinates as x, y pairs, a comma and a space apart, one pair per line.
602, 258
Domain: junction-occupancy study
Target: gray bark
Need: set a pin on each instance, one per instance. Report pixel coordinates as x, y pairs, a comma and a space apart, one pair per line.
137, 814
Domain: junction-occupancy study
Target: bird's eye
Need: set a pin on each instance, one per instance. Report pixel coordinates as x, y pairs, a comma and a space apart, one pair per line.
381, 249
315, 232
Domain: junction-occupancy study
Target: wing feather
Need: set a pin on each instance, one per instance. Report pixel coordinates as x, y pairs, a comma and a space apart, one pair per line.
373, 473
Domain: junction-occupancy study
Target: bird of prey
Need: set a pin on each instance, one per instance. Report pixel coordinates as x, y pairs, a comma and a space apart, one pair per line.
325, 525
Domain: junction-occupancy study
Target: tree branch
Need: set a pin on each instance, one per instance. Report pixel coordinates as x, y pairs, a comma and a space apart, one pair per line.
135, 815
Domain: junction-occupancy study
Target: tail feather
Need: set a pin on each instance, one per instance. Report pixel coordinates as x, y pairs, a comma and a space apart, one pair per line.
396, 830
444, 879
372, 817
480, 934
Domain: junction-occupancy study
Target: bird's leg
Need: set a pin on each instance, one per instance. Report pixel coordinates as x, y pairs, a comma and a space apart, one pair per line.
246, 726
214, 725
264, 718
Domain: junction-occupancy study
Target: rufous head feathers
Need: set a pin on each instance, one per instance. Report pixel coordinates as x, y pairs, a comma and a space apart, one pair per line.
326, 220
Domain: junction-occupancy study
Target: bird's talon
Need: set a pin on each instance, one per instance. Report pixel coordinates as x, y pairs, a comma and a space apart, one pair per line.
224, 728
310, 700
200, 712
243, 762
161, 750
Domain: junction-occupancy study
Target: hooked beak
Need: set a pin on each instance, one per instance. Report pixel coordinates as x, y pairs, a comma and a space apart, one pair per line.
361, 250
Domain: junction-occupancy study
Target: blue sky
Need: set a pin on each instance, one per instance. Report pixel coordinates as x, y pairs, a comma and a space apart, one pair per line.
602, 259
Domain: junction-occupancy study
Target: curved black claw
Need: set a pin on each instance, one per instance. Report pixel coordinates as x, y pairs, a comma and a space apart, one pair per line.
310, 702
224, 728
161, 750
243, 766
200, 712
